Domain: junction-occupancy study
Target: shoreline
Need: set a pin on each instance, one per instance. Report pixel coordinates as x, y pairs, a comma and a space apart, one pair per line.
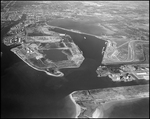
76, 31
78, 108
105, 108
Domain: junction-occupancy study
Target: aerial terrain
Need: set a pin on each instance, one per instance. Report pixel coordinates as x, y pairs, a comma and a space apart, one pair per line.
82, 59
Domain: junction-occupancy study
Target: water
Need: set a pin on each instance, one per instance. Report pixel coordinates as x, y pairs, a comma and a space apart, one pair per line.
135, 108
30, 93
54, 57
87, 27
